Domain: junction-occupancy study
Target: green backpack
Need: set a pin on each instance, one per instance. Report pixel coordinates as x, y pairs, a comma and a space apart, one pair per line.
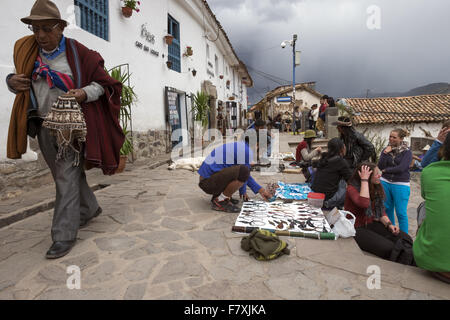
264, 245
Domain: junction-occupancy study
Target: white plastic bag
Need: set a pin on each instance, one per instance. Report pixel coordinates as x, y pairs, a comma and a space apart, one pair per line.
344, 227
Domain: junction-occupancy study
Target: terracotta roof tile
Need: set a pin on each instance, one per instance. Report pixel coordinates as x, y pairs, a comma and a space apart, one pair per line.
426, 108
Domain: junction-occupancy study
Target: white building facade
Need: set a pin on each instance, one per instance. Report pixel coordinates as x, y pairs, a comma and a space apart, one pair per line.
164, 91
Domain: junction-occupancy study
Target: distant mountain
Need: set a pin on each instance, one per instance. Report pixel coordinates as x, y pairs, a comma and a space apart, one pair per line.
432, 88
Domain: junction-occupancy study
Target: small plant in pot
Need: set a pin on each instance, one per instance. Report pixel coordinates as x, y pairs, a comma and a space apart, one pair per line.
127, 99
169, 63
128, 6
221, 76
189, 51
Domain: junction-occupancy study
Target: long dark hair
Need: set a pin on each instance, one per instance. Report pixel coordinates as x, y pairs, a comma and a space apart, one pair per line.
444, 151
309, 142
335, 146
375, 190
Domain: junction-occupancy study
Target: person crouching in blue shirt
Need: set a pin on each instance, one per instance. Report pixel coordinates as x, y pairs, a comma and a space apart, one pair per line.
226, 170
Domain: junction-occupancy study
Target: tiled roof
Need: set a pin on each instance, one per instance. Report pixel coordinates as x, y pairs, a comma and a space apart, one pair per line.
426, 108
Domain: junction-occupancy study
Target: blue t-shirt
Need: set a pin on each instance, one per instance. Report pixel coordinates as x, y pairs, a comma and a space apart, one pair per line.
227, 155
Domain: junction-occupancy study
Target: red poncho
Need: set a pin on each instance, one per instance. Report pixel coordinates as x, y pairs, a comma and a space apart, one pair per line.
104, 134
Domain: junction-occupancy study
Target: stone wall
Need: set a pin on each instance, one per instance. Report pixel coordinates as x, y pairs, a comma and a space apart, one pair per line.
150, 144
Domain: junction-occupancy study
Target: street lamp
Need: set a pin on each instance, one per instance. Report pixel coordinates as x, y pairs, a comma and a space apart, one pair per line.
292, 44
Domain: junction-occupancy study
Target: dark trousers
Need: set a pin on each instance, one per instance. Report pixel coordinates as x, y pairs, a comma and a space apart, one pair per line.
376, 239
312, 124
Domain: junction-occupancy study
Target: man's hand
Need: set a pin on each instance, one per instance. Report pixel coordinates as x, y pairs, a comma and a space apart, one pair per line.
79, 94
443, 134
19, 83
266, 195
319, 149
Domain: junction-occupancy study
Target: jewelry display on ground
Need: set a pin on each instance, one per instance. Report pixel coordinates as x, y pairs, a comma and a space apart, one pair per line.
296, 217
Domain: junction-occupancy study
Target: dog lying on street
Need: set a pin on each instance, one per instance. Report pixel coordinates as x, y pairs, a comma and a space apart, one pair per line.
192, 164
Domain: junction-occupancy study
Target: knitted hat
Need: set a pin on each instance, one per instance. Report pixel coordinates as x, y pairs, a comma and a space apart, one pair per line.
43, 10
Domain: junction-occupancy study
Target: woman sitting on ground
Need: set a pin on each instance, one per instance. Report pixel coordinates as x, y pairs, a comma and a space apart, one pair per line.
431, 248
332, 174
375, 233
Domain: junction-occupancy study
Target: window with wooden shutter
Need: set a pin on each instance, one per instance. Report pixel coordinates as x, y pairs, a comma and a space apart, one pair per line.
94, 17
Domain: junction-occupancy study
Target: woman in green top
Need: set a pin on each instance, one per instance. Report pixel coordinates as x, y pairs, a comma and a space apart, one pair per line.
431, 248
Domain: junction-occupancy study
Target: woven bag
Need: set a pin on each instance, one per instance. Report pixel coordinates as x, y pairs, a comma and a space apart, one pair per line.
66, 122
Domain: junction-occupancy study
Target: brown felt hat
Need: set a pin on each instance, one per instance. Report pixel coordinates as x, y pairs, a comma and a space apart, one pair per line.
43, 10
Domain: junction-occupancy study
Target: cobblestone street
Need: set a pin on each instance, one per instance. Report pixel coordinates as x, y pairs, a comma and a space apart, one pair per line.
157, 238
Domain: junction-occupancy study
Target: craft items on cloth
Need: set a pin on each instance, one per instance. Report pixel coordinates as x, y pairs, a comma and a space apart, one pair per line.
296, 219
285, 156
66, 122
295, 191
264, 245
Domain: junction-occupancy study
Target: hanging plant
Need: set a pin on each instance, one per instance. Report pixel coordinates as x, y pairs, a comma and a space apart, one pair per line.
128, 6
194, 72
189, 51
221, 76
169, 63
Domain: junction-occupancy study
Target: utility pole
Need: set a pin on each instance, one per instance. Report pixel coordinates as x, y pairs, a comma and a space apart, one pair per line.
294, 39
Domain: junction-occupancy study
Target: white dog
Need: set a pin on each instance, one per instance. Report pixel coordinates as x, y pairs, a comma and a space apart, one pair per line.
187, 163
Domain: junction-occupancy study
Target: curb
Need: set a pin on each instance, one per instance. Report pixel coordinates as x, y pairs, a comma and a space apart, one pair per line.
48, 204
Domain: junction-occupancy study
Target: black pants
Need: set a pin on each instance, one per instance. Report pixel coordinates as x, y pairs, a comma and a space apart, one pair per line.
376, 239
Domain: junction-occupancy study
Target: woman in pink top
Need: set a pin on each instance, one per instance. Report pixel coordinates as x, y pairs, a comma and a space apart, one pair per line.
375, 233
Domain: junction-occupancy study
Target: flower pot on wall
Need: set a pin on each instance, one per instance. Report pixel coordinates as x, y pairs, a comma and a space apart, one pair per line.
127, 12
169, 64
168, 38
189, 51
194, 72
221, 76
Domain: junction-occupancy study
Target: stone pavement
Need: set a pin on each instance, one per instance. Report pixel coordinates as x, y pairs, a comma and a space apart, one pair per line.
157, 238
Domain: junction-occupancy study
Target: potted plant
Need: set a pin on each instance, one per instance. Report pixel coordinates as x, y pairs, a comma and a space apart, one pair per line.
168, 38
200, 110
194, 72
128, 6
127, 99
221, 76
169, 63
189, 51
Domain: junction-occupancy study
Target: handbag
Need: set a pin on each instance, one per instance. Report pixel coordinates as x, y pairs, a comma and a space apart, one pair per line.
66, 122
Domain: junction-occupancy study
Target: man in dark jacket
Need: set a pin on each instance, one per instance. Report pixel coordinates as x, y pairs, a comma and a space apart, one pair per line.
359, 149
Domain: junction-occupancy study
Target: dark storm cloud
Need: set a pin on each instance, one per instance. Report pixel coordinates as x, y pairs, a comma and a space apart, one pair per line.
338, 50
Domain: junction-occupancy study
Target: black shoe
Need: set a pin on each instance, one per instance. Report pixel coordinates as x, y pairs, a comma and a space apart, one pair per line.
59, 249
224, 205
96, 214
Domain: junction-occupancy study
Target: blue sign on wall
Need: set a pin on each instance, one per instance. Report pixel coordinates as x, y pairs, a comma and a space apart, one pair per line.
284, 99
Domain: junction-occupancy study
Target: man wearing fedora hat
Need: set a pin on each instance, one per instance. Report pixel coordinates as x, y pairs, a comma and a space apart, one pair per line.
358, 148
49, 65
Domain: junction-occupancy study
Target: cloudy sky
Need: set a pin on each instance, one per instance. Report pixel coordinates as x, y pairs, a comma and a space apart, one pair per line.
340, 52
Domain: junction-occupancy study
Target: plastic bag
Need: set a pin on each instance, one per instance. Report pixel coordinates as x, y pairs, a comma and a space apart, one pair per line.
344, 227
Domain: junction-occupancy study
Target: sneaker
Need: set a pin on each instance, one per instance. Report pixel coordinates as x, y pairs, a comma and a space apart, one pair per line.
224, 205
233, 201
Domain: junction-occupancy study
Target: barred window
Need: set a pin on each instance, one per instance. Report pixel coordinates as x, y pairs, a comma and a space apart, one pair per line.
94, 17
173, 28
